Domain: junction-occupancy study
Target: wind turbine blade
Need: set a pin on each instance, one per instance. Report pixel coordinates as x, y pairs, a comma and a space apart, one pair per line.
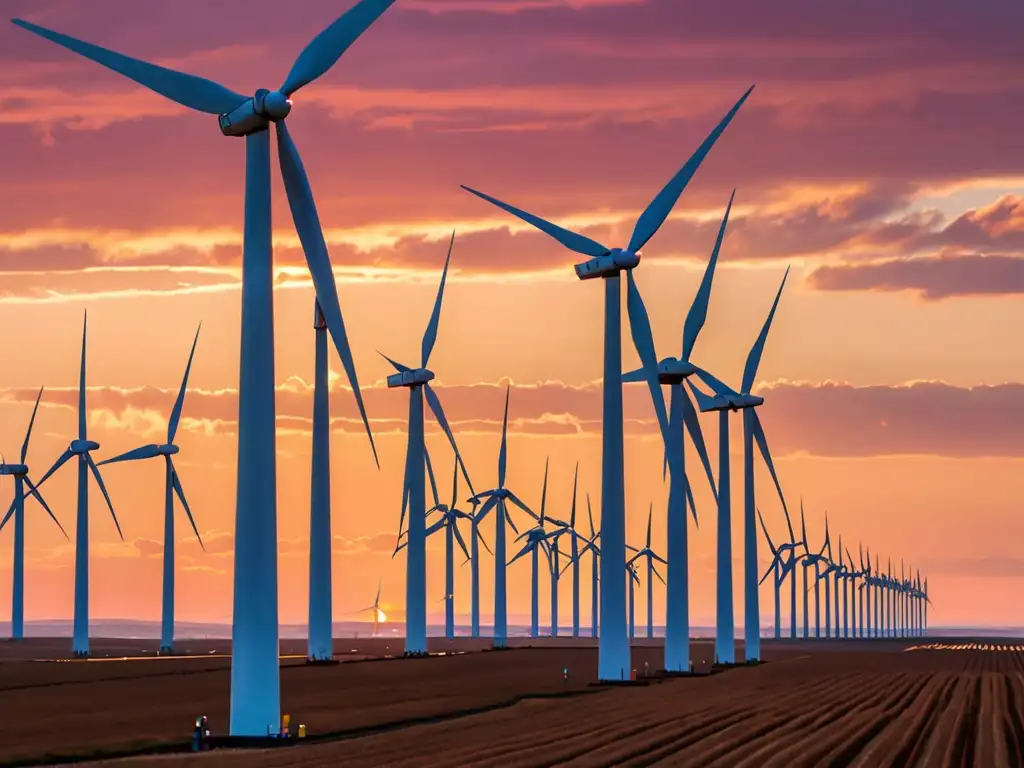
754, 358
704, 402
31, 421
180, 492
771, 544
103, 490
81, 382
326, 48
544, 491
571, 240
698, 313
803, 525
435, 527
590, 516
503, 452
643, 340
172, 424
376, 600
10, 513
522, 552
656, 573
430, 335
34, 491
508, 517
697, 438
650, 516
405, 486
190, 91
455, 488
575, 484
307, 224
487, 507
717, 385
652, 218
458, 538
634, 376
145, 452
690, 501
762, 444
61, 460
397, 366
430, 474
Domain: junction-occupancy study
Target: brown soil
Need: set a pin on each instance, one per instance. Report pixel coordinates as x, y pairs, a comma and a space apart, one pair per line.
814, 704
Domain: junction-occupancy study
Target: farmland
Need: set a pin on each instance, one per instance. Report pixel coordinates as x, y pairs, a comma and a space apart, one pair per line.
867, 703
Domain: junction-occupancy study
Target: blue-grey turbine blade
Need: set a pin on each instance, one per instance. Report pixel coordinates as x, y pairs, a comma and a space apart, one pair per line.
697, 438
172, 424
103, 490
762, 444
9, 515
754, 358
435, 406
430, 474
28, 433
307, 224
659, 209
571, 240
643, 340
82, 421
176, 484
145, 452
503, 452
430, 335
61, 460
326, 48
190, 91
699, 309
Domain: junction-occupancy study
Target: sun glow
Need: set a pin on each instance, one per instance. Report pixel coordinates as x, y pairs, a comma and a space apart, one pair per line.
381, 616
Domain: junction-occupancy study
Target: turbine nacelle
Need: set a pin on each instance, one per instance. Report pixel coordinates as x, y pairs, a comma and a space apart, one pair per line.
673, 371
13, 469
416, 377
79, 447
608, 265
256, 114
732, 402
167, 449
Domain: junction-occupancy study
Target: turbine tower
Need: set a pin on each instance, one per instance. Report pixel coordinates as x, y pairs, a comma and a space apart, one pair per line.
495, 499
476, 539
726, 399
19, 472
416, 380
812, 560
81, 447
255, 677
590, 545
172, 486
574, 556
683, 417
607, 263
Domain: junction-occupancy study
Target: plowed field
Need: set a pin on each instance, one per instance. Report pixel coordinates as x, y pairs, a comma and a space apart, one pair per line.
866, 703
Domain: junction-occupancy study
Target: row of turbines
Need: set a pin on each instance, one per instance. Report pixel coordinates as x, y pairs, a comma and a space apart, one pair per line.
255, 681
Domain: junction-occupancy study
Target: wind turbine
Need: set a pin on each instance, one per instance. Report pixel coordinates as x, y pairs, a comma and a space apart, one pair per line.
574, 561
536, 543
448, 521
608, 263
495, 499
724, 400
17, 510
682, 417
255, 675
417, 381
652, 571
812, 560
255, 679
826, 575
595, 552
780, 567
172, 486
81, 447
378, 614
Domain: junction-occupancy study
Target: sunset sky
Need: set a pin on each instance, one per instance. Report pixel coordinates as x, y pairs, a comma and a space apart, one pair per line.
879, 156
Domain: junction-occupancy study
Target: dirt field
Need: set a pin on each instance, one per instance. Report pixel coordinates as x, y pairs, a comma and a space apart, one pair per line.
826, 704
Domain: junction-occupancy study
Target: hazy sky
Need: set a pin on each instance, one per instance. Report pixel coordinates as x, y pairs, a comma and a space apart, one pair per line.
879, 155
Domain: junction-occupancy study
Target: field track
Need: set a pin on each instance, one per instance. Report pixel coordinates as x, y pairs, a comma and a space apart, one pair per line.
832, 704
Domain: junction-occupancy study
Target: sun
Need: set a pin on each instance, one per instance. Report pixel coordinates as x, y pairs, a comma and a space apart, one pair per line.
381, 616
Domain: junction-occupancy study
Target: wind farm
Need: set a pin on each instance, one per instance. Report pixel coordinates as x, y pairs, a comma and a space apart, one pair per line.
499, 603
